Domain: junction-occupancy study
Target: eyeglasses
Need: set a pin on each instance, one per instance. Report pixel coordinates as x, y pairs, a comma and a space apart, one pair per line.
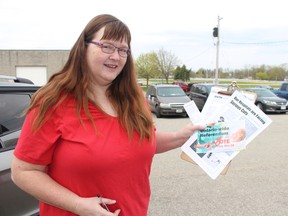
110, 48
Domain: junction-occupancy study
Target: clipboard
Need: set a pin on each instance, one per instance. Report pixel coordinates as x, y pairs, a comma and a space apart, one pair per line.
185, 157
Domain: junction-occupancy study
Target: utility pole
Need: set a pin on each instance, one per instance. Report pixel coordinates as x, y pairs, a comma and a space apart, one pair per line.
216, 33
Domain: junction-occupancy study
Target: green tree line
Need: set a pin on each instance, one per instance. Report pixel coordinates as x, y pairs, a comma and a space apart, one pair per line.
165, 65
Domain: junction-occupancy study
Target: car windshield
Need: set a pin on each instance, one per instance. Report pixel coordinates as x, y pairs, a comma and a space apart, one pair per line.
264, 93
170, 92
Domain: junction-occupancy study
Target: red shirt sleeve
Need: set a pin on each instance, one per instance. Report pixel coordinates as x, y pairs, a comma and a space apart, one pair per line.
37, 147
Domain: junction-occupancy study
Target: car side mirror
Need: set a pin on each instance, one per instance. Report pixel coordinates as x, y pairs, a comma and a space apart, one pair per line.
151, 96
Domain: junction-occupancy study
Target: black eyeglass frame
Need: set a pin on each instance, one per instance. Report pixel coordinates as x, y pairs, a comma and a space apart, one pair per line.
121, 50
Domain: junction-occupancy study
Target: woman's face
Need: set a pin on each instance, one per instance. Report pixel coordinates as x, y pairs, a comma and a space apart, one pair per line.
104, 67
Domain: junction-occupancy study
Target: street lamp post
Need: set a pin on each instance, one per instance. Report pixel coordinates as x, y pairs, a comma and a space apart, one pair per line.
217, 49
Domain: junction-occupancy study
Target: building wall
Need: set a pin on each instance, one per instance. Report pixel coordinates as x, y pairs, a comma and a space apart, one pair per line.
53, 60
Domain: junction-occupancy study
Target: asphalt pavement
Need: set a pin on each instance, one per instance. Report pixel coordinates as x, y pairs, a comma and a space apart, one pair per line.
256, 182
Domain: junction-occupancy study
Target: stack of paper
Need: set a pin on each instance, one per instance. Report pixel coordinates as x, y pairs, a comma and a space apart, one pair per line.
232, 121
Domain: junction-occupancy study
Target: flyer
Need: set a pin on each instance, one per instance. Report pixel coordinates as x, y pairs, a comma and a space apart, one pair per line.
231, 108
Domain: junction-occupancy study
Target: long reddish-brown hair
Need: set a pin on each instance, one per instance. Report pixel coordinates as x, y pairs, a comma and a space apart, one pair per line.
124, 92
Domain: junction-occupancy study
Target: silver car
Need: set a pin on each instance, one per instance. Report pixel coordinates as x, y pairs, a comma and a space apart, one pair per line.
165, 99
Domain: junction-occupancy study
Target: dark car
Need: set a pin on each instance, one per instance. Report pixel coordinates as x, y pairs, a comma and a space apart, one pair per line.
189, 86
14, 99
164, 99
199, 92
182, 84
269, 102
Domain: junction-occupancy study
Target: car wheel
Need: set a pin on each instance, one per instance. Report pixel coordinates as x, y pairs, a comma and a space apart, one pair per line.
260, 106
157, 112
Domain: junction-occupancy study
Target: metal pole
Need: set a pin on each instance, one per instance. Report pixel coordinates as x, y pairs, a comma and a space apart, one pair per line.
217, 52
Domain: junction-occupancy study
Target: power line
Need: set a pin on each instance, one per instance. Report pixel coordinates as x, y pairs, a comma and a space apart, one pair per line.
201, 53
256, 43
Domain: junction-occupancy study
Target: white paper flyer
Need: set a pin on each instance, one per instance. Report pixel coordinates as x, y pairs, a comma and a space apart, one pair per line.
236, 107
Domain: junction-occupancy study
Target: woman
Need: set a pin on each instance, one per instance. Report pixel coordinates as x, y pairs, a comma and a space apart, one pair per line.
88, 139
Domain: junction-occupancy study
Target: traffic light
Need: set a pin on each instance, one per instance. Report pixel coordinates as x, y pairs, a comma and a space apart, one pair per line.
215, 32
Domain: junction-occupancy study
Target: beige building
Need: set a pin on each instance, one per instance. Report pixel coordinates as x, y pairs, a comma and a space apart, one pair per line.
36, 65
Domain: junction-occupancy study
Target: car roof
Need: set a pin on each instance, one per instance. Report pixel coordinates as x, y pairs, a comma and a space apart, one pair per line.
15, 79
11, 86
259, 90
165, 85
255, 88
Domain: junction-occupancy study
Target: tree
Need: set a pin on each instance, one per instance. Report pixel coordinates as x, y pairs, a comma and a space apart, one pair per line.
276, 73
261, 75
147, 66
182, 73
166, 63
200, 73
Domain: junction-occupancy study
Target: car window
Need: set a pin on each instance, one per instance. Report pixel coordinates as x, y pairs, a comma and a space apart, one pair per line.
203, 90
197, 89
264, 93
151, 90
192, 88
284, 87
11, 109
170, 92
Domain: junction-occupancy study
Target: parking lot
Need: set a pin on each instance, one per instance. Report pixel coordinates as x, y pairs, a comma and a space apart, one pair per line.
255, 184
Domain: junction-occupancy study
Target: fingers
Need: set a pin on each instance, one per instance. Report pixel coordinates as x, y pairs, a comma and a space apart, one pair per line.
108, 201
117, 212
104, 202
188, 130
196, 127
95, 206
210, 124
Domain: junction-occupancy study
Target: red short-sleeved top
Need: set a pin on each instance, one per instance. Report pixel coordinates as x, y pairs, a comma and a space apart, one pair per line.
107, 163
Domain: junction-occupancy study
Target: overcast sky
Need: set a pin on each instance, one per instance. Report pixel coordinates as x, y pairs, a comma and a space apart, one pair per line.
252, 33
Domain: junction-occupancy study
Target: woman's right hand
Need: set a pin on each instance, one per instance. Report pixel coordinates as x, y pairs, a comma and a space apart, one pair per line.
92, 207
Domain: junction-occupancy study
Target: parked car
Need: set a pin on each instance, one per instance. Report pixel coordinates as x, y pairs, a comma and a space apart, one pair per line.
164, 99
269, 102
182, 84
282, 91
199, 92
14, 99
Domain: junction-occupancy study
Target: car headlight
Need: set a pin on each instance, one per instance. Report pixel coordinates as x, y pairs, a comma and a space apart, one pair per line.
269, 102
165, 106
